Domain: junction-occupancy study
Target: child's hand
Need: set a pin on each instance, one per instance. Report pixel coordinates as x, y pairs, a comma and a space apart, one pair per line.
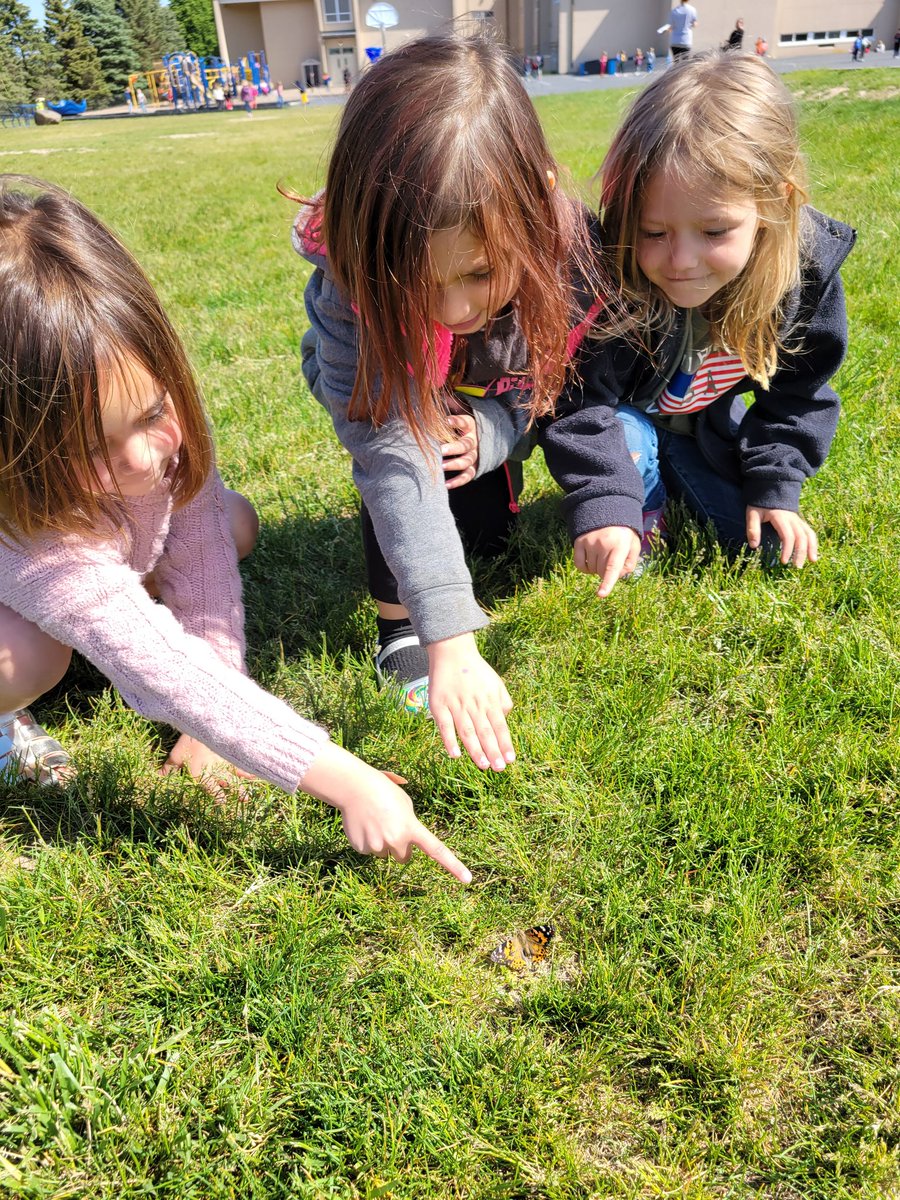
468, 697
610, 553
378, 815
462, 454
798, 539
211, 771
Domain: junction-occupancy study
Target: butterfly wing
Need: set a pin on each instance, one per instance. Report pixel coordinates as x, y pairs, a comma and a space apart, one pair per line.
510, 953
536, 940
529, 947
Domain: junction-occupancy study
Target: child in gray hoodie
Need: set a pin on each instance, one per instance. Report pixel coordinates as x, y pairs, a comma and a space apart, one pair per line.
453, 282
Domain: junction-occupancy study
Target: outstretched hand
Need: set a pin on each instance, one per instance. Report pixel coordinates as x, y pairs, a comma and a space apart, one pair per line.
610, 553
799, 543
214, 773
377, 814
468, 698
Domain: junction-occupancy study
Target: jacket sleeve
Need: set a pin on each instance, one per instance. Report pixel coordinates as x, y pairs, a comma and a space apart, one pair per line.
584, 445
87, 597
787, 432
198, 576
502, 434
401, 484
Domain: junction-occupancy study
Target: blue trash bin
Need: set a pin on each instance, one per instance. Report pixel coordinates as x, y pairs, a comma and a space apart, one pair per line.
612, 66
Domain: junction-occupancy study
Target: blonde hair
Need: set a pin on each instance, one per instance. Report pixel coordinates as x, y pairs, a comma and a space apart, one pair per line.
724, 121
74, 305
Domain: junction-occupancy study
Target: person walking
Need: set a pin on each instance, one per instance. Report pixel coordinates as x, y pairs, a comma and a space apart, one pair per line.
682, 20
142, 101
735, 39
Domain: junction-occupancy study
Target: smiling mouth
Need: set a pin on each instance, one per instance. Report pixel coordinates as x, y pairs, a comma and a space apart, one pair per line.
466, 326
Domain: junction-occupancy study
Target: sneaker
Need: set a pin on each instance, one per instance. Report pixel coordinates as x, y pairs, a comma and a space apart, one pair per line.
652, 538
654, 533
27, 751
392, 662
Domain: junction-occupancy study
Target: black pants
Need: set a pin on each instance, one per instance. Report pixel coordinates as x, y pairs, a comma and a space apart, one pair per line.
483, 517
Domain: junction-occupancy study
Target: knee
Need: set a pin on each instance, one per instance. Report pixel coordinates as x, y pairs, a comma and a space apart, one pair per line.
31, 662
244, 523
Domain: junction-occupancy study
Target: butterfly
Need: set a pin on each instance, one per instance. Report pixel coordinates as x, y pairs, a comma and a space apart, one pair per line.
527, 948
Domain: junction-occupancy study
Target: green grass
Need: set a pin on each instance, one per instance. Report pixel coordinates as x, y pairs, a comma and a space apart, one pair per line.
205, 1001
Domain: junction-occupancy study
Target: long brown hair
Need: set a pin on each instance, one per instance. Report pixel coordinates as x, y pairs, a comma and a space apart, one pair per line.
74, 305
439, 135
727, 121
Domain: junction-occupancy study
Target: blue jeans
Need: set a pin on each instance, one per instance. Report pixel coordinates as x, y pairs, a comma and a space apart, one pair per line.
671, 464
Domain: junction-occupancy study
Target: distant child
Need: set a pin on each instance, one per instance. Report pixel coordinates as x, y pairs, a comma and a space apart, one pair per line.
651, 59
279, 94
704, 213
109, 495
443, 312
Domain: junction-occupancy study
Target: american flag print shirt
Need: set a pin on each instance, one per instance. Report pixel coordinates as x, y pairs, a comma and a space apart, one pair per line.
717, 373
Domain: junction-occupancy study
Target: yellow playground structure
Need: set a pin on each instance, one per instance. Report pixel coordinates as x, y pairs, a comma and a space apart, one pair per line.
186, 81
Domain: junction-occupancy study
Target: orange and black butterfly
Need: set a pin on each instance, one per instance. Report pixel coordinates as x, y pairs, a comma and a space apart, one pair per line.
524, 949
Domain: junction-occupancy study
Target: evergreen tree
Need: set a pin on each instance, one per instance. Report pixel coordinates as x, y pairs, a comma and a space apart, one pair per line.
109, 34
142, 19
81, 75
13, 89
199, 25
27, 63
171, 35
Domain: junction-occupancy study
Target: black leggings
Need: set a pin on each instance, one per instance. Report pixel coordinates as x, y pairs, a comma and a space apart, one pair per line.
483, 517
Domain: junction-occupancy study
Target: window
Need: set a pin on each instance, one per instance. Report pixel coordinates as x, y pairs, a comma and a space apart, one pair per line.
336, 11
822, 38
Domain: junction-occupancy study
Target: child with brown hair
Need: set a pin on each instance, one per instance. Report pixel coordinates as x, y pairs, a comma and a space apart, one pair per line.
453, 281
108, 493
735, 281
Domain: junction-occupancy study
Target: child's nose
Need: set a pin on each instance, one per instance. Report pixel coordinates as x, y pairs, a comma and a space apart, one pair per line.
682, 251
138, 455
457, 308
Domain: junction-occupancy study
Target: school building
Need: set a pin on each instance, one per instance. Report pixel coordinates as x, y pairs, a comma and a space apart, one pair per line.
308, 39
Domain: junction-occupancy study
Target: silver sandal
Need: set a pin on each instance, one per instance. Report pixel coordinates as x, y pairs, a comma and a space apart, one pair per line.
27, 751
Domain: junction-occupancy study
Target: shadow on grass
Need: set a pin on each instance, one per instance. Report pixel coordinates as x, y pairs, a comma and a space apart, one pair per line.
115, 805
305, 582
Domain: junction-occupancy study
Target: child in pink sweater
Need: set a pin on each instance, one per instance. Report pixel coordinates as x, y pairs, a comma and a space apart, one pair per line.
109, 496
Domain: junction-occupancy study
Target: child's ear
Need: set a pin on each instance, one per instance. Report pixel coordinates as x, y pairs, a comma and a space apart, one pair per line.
551, 179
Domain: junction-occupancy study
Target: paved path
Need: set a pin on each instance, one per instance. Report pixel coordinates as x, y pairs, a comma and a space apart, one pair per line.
553, 85
550, 85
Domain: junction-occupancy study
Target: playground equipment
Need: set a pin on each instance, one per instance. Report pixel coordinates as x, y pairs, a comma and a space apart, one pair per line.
184, 80
69, 108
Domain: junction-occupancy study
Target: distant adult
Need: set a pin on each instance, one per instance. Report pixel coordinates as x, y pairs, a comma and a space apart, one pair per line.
735, 39
682, 20
348, 79
897, 44
129, 101
856, 53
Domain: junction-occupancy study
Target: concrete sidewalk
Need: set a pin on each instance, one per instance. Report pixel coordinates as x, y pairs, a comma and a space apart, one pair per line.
553, 85
550, 85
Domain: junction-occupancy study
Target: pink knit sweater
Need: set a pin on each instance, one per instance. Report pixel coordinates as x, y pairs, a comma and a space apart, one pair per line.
181, 661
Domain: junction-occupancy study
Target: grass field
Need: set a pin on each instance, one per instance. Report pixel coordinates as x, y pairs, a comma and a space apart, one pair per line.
204, 1001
